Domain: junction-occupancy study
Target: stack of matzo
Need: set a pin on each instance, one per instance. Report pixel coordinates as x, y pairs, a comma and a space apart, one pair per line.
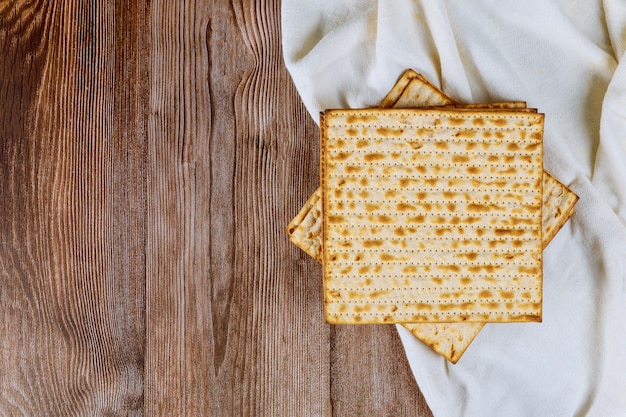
432, 217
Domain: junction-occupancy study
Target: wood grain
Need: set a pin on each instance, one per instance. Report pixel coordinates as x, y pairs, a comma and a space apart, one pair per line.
372, 355
237, 325
72, 218
151, 154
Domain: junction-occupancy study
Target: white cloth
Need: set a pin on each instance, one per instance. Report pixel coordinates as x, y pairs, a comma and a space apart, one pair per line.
564, 58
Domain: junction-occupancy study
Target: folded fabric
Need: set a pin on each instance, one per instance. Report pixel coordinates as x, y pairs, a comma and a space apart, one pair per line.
564, 58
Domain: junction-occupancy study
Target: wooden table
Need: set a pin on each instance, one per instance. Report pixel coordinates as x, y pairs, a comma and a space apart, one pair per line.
151, 155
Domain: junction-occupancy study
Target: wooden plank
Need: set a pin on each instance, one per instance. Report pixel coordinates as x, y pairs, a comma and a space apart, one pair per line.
71, 209
234, 324
151, 154
372, 355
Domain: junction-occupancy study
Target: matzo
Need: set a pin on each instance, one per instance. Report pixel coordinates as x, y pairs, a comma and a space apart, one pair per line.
431, 215
558, 206
448, 339
305, 230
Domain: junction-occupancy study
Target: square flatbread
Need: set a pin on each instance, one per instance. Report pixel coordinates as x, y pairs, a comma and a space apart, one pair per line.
432, 215
448, 339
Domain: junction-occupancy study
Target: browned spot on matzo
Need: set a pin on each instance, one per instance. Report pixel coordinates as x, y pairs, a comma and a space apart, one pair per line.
384, 131
341, 156
456, 121
373, 157
460, 158
402, 207
372, 243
